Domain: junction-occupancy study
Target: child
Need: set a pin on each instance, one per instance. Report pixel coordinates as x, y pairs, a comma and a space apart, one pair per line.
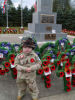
27, 63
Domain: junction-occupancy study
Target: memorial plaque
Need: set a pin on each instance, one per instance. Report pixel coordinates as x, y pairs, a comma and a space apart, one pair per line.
50, 36
48, 28
47, 18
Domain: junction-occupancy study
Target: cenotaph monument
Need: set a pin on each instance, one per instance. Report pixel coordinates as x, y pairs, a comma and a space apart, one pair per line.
44, 26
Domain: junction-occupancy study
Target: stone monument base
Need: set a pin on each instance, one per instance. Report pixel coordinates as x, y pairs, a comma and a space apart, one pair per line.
41, 37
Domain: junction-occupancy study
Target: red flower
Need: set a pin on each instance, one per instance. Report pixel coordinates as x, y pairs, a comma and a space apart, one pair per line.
14, 71
68, 71
48, 77
15, 77
32, 60
7, 64
67, 60
12, 56
68, 84
61, 74
46, 69
2, 72
48, 80
67, 64
45, 63
68, 43
6, 70
74, 64
58, 63
43, 78
21, 51
52, 68
48, 57
68, 89
73, 71
51, 63
67, 78
73, 76
73, 85
40, 71
48, 62
62, 60
12, 61
63, 56
48, 85
73, 81
58, 53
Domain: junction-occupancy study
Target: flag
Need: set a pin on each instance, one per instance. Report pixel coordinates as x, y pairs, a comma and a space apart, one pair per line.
35, 6
3, 10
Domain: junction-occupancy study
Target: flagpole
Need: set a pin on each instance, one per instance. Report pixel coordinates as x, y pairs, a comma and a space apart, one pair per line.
7, 13
21, 16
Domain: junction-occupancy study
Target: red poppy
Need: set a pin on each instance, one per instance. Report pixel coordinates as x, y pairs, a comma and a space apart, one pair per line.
67, 64
68, 89
48, 62
73, 71
43, 78
73, 81
68, 43
48, 57
14, 71
67, 59
62, 60
58, 53
15, 77
61, 74
68, 83
63, 56
51, 63
73, 76
45, 63
67, 78
46, 69
48, 85
68, 71
48, 80
48, 77
74, 64
58, 63
12, 61
2, 72
12, 56
21, 51
73, 85
7, 64
52, 68
40, 71
6, 70
32, 60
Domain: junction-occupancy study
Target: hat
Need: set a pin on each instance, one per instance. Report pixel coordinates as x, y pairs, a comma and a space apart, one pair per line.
28, 42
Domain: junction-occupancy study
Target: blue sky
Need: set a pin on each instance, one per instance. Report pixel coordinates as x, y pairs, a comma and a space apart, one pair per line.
30, 3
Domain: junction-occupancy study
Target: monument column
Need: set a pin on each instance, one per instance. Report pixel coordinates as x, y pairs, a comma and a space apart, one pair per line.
44, 26
44, 5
